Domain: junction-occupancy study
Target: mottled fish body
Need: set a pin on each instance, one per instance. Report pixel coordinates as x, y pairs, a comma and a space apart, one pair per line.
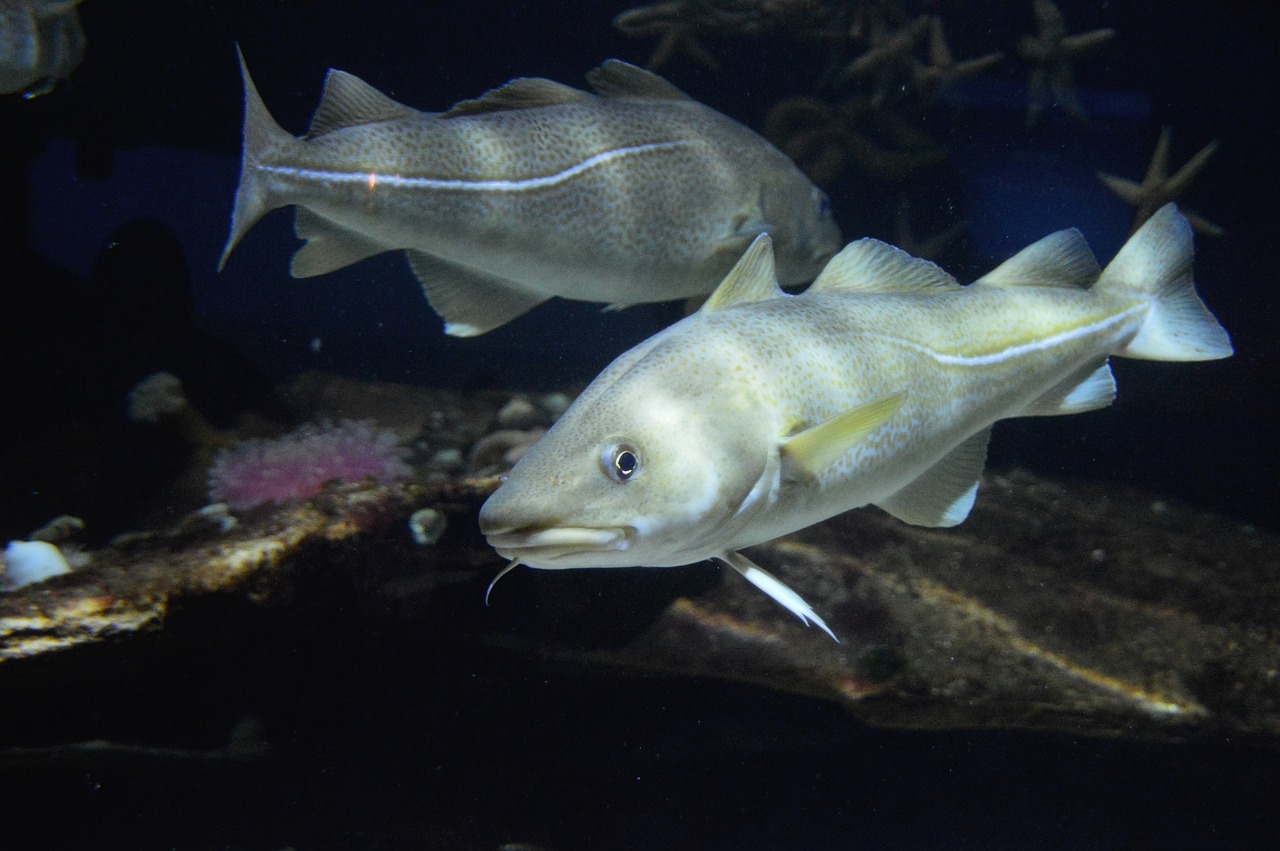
41, 42
631, 193
764, 413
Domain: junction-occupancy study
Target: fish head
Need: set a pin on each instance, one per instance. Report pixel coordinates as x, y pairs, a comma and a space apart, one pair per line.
647, 472
800, 220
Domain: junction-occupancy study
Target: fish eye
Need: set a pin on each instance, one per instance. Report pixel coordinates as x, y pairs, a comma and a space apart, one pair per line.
620, 460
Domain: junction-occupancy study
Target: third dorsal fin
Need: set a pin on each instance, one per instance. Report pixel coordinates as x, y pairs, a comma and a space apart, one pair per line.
348, 101
750, 280
1061, 259
520, 93
872, 266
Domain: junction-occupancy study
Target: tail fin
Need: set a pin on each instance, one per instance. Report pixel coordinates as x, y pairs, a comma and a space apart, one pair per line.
261, 134
1156, 261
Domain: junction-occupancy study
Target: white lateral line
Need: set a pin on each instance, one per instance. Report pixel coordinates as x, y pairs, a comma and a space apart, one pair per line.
374, 179
1023, 348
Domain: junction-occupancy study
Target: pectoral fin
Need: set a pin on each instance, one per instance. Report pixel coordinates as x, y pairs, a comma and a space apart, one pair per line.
813, 450
470, 301
743, 228
777, 589
736, 242
943, 494
328, 247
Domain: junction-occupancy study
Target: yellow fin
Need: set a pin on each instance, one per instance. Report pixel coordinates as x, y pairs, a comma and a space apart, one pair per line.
617, 79
520, 93
1061, 259
872, 266
751, 279
348, 101
815, 449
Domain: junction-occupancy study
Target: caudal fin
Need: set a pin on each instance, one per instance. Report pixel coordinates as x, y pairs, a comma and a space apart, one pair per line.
261, 134
1156, 261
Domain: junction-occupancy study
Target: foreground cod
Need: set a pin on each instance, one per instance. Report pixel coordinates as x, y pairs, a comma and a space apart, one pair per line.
634, 193
764, 413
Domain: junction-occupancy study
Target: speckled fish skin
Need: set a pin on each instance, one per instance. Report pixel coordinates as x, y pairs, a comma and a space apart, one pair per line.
41, 42
764, 413
635, 193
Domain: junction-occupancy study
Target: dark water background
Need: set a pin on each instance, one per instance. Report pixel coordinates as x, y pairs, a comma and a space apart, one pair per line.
139, 152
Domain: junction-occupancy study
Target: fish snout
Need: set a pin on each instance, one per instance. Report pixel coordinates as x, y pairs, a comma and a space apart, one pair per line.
505, 512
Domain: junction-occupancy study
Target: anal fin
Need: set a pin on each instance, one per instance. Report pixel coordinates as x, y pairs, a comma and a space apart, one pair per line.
1089, 389
329, 247
943, 494
470, 302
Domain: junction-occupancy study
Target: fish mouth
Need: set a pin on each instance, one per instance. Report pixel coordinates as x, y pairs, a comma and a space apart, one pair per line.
537, 545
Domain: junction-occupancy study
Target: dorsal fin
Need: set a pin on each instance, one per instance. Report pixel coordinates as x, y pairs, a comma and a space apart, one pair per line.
520, 93
750, 280
52, 8
348, 101
872, 266
617, 79
1061, 259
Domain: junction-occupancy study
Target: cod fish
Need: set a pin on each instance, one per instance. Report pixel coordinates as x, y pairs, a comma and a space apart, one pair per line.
634, 193
764, 413
41, 42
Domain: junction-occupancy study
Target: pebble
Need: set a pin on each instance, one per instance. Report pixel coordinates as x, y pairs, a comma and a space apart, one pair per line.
446, 460
519, 413
556, 404
427, 525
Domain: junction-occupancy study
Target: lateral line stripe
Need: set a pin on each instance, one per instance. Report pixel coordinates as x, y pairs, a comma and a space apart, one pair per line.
400, 181
1022, 348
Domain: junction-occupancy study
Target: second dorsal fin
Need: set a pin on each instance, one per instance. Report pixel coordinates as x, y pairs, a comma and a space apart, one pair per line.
617, 79
520, 93
751, 279
348, 101
1061, 259
872, 266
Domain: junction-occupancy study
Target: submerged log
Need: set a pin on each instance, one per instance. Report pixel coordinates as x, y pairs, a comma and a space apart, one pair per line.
1083, 608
